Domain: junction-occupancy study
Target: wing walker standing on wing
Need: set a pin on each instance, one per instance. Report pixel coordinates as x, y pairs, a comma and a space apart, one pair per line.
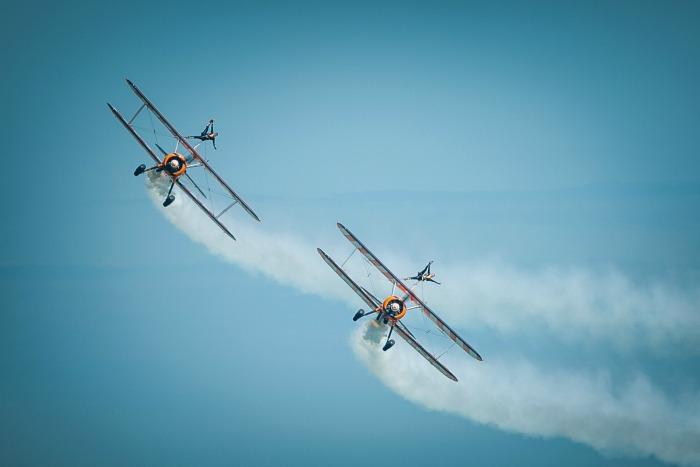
208, 134
424, 275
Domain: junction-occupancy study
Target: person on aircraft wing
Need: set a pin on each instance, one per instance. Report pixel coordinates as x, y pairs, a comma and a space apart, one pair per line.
424, 275
208, 134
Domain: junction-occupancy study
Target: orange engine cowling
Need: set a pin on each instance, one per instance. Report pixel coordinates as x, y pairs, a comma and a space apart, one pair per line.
392, 301
175, 159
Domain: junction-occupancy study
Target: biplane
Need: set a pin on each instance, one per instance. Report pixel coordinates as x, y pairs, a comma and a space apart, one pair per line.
175, 165
394, 307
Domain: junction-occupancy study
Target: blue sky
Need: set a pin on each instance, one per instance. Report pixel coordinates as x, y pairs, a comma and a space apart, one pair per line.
542, 147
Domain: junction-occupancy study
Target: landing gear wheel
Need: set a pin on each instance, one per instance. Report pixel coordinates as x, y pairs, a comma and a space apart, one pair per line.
358, 315
389, 344
168, 201
139, 170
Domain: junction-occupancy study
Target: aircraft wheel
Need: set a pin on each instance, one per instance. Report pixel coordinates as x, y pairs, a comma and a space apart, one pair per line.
389, 344
139, 170
168, 201
358, 315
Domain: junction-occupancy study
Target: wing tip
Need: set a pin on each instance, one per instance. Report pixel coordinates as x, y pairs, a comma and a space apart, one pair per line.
321, 252
225, 230
250, 211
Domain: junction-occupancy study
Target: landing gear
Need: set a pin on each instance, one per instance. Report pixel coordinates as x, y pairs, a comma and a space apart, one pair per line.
363, 313
389, 341
142, 168
139, 170
171, 197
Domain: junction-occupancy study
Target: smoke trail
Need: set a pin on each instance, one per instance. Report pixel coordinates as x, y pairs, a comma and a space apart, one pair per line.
569, 304
635, 418
518, 396
282, 257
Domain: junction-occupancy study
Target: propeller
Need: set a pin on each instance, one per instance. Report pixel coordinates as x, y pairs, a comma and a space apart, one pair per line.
165, 153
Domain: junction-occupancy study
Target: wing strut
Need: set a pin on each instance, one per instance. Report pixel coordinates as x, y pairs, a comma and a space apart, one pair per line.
136, 136
356, 288
137, 113
203, 208
235, 202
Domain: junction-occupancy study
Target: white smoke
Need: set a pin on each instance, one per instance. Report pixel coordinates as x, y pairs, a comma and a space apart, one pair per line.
282, 257
571, 304
635, 418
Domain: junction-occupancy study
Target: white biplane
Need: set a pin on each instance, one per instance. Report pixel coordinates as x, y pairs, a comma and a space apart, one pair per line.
394, 307
175, 166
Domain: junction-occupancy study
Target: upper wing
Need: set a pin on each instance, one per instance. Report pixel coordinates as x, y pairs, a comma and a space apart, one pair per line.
421, 350
358, 290
193, 152
401, 286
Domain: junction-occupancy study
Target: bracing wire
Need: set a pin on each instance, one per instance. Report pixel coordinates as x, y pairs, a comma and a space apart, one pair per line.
427, 331
371, 278
348, 258
443, 353
206, 179
155, 134
162, 134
